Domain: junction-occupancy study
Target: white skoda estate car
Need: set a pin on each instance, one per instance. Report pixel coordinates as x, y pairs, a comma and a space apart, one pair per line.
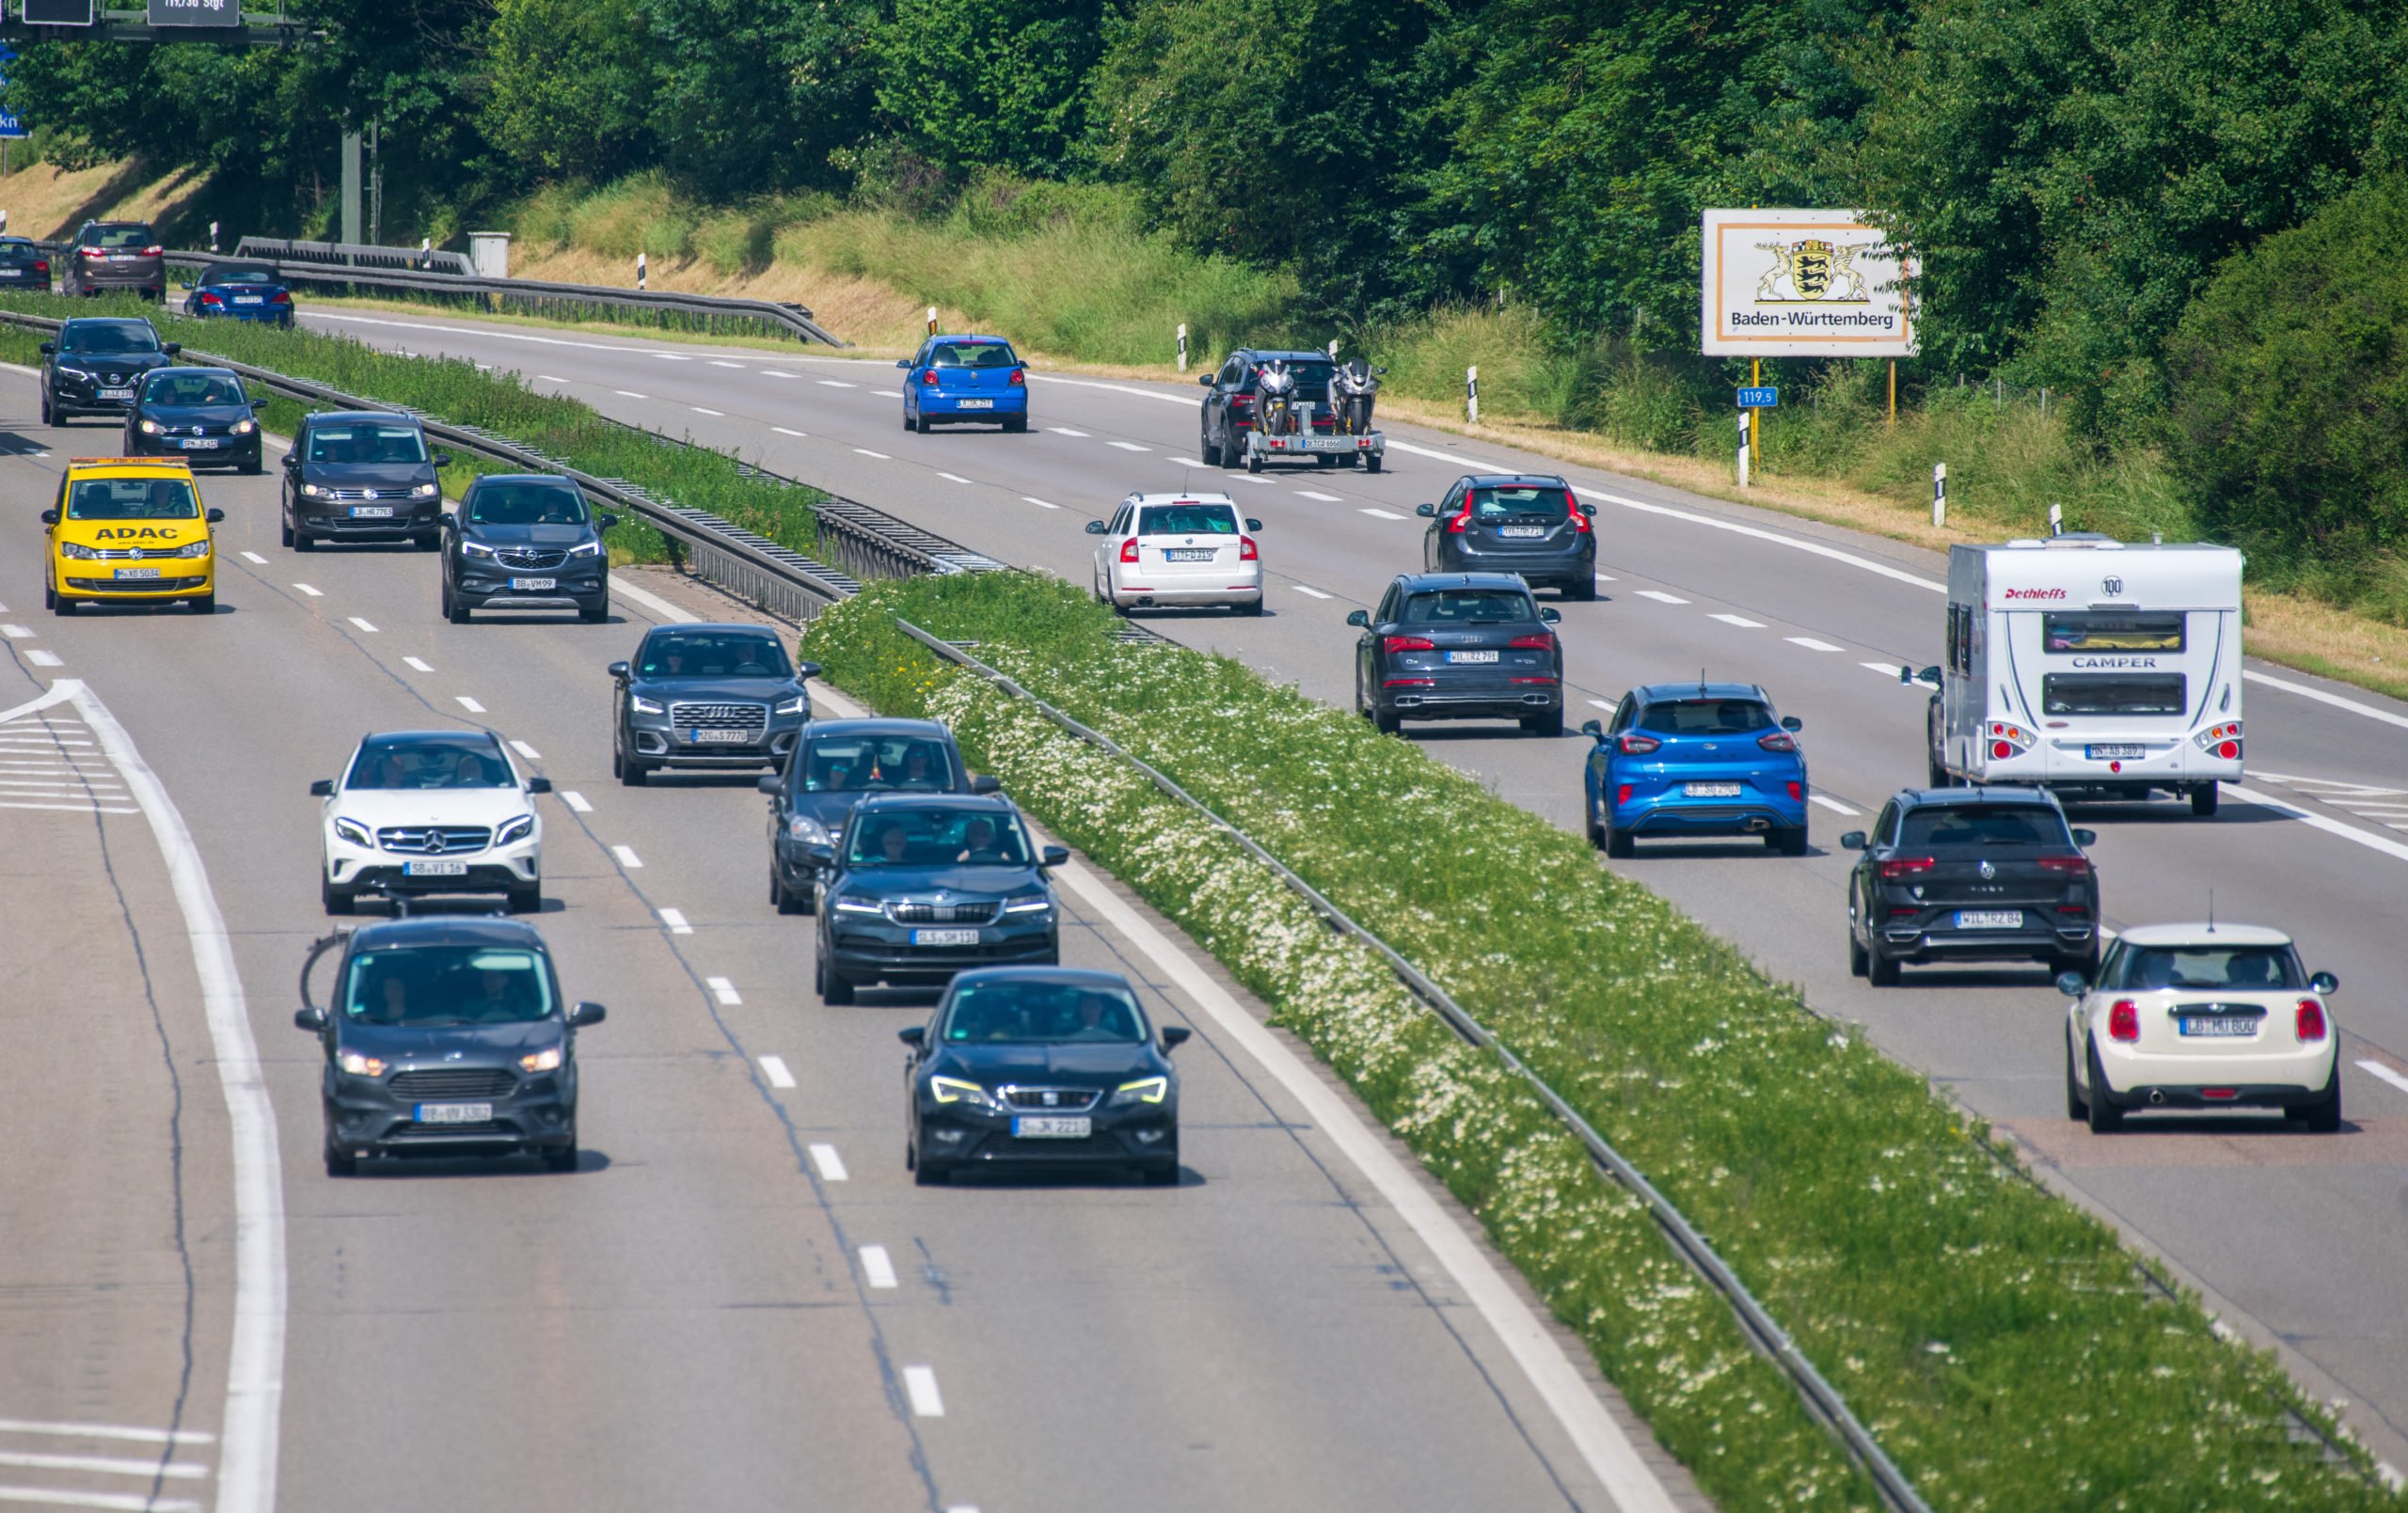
1176, 551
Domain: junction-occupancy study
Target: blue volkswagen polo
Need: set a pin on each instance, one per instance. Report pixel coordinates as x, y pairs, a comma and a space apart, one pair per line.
964, 378
1696, 759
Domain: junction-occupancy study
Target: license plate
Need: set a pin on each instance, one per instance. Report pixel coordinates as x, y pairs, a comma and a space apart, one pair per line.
523, 584
2216, 1026
976, 405
2117, 753
1989, 919
372, 512
1471, 657
116, 393
1181, 554
246, 299
1521, 532
200, 443
435, 869
1051, 1126
454, 1114
701, 737
945, 937
1711, 790
128, 573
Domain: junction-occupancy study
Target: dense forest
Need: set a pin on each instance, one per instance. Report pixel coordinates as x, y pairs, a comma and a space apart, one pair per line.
2076, 176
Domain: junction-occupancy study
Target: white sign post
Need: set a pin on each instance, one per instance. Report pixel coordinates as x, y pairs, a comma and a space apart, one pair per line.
1745, 416
1802, 283
1471, 395
1939, 494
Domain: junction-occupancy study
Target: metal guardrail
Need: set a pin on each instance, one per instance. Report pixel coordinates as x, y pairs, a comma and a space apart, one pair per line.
1820, 1398
350, 254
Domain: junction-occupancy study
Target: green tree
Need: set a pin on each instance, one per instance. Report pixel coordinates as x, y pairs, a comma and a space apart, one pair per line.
997, 83
568, 88
757, 94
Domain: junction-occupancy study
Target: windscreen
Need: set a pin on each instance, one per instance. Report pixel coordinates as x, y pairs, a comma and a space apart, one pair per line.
132, 237
365, 441
1187, 520
1309, 374
171, 386
938, 838
972, 354
103, 338
1467, 607
526, 504
131, 498
2114, 693
434, 988
1986, 824
237, 273
469, 762
1707, 716
1544, 501
1040, 1012
877, 764
2189, 969
712, 654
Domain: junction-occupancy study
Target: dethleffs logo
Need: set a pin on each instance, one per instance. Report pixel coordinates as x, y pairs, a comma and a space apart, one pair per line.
2013, 594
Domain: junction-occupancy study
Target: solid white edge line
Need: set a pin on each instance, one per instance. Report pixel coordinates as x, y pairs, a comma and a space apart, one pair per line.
655, 603
2321, 696
2330, 826
1833, 805
255, 1363
1798, 543
774, 1068
921, 1383
832, 1166
1594, 1435
877, 1268
2386, 1073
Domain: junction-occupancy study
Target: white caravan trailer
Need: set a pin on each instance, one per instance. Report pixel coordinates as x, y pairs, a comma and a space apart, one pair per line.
2092, 667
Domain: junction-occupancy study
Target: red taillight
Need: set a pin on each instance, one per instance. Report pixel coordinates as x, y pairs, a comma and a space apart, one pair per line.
1579, 520
1240, 401
2069, 866
91, 252
1638, 745
1019, 378
1128, 550
1621, 795
1407, 643
2310, 1023
279, 297
154, 252
929, 376
42, 265
1907, 866
1458, 524
2124, 1021
1776, 741
1543, 641
1247, 551
208, 298
1797, 793
2229, 750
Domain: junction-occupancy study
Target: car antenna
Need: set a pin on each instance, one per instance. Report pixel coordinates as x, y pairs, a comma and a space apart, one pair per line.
1701, 682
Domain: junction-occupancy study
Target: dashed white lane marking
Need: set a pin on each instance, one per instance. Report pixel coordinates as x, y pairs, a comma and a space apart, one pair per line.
17, 633
953, 477
1066, 431
675, 921
1263, 482
1043, 504
313, 594
551, 378
1887, 670
42, 658
416, 666
774, 1068
1603, 578
878, 1270
832, 1166
575, 801
886, 393
1661, 596
467, 704
1310, 594
1608, 705
1833, 804
104, 1465
700, 409
527, 751
1740, 621
105, 1431
2386, 1073
255, 558
626, 855
771, 372
723, 991
1378, 513
837, 383
1188, 462
631, 394
364, 626
1128, 446
1325, 499
788, 431
738, 366
1810, 643
136, 1503
920, 1382
879, 456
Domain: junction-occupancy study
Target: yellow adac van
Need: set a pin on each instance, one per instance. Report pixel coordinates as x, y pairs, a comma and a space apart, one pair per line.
129, 531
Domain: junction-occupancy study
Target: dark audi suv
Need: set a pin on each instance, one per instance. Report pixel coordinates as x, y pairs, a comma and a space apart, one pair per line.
1990, 874
1459, 646
201, 415
362, 475
1513, 523
526, 540
24, 265
838, 764
1041, 1066
93, 366
446, 1036
706, 696
115, 255
925, 886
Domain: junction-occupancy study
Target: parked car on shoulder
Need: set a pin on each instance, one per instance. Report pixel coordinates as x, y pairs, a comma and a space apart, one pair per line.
1526, 524
1459, 646
1963, 875
706, 696
837, 764
1681, 760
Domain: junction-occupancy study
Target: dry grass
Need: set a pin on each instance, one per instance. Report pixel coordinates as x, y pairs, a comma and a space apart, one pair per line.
2313, 638
46, 204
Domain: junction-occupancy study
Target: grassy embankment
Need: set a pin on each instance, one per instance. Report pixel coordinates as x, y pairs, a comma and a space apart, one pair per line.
1995, 1337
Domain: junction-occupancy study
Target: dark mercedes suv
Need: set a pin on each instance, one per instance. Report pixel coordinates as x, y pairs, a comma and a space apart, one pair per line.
93, 366
706, 696
526, 540
362, 475
1987, 873
1525, 523
115, 255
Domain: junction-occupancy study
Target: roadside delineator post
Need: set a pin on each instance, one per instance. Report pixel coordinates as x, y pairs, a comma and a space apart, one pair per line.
2056, 520
1744, 437
641, 270
1471, 394
1183, 346
933, 320
213, 236
1939, 494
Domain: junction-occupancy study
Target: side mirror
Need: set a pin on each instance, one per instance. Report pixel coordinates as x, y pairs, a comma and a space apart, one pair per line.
806, 669
312, 1018
1205, 379
1053, 856
1549, 616
539, 785
171, 348
1175, 1036
1095, 528
292, 459
322, 788
1852, 841
618, 670
2085, 839
215, 517
446, 521
443, 459
820, 853
1930, 675
1791, 724
2072, 984
1360, 617
50, 517
1593, 729
986, 782
1427, 511
768, 782
914, 1035
259, 405
1589, 510
48, 348
1254, 524
608, 519
904, 363
586, 1015
2325, 983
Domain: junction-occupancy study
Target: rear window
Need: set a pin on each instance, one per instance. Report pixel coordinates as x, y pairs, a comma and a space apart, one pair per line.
2067, 631
525, 504
1310, 374
238, 273
972, 354
365, 441
1548, 501
18, 252
2114, 693
1467, 607
1707, 716
1989, 824
2241, 969
131, 498
876, 764
1187, 520
121, 238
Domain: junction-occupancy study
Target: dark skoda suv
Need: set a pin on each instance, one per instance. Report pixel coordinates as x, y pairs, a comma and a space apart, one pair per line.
362, 475
1989, 873
526, 540
1517, 523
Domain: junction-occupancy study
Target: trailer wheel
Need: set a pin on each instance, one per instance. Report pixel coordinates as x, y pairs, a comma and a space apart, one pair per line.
1254, 461
2203, 800
1370, 462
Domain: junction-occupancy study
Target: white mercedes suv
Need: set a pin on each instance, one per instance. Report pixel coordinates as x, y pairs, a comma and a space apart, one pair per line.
431, 811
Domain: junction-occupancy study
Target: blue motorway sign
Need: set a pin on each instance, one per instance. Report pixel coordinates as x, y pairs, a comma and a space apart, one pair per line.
10, 125
1767, 398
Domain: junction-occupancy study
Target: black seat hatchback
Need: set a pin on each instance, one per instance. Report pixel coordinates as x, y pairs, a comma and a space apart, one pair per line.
526, 540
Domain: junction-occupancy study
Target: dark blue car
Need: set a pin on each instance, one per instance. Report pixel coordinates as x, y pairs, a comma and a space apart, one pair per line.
964, 378
240, 291
1696, 759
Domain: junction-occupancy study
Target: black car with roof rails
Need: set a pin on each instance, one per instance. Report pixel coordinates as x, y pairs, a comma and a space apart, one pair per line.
1231, 395
921, 886
526, 540
108, 256
1042, 1067
201, 415
445, 1035
837, 764
706, 696
1459, 646
94, 364
362, 475
1528, 524
24, 264
1970, 875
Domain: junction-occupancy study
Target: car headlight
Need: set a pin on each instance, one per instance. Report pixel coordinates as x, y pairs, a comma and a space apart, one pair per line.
586, 548
953, 1090
546, 1059
314, 491
78, 551
193, 548
1032, 903
645, 706
150, 428
244, 428
806, 830
469, 548
1144, 1090
516, 829
858, 905
355, 832
798, 705
426, 491
358, 1066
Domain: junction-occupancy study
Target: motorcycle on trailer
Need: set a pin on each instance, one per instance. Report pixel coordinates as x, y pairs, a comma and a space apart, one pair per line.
1351, 389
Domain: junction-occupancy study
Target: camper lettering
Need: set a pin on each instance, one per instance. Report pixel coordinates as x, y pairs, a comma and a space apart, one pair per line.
2114, 662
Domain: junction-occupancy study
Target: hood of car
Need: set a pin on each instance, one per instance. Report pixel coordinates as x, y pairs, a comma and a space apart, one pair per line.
367, 475
759, 690
184, 415
111, 362
376, 807
404, 1049
1069, 1063
560, 536
959, 882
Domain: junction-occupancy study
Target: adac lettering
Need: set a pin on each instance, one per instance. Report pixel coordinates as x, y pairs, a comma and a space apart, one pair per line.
133, 533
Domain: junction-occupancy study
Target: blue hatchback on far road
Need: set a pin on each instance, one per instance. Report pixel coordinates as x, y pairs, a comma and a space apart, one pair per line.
965, 378
1696, 759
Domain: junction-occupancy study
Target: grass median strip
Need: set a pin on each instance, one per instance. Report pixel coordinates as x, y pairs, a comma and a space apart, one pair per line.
1995, 1338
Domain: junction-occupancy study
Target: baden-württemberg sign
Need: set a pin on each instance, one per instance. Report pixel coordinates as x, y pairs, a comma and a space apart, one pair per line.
1802, 283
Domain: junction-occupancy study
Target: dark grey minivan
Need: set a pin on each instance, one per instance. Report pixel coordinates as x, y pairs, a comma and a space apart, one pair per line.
362, 475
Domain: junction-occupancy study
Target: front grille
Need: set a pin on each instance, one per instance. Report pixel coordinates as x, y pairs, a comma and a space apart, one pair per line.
433, 840
719, 716
489, 1129
1006, 1147
943, 913
528, 558
158, 585
447, 1082
392, 495
136, 554
1066, 1100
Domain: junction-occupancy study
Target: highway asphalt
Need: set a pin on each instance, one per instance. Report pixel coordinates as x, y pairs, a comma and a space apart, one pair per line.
739, 1302
2295, 1238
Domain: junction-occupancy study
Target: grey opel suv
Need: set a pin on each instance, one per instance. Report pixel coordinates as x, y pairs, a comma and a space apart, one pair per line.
526, 540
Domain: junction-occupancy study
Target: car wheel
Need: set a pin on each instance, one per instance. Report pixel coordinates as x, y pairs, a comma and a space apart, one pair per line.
341, 1163
46, 419
204, 604
926, 1174
2324, 1117
1584, 592
563, 1158
2086, 964
599, 614
1548, 726
2106, 1118
61, 605
1161, 1174
833, 989
1233, 449
1326, 460
303, 540
337, 899
1370, 462
456, 609
2076, 1108
1016, 424
1935, 775
1207, 449
284, 527
781, 898
1788, 843
49, 594
1252, 608
1253, 463
1857, 963
431, 541
2203, 800
632, 772
1620, 844
251, 468
1880, 970
1384, 722
528, 900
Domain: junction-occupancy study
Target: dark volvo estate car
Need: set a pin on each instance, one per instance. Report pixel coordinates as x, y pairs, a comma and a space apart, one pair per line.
1459, 646
1990, 874
706, 696
1527, 525
923, 885
362, 475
